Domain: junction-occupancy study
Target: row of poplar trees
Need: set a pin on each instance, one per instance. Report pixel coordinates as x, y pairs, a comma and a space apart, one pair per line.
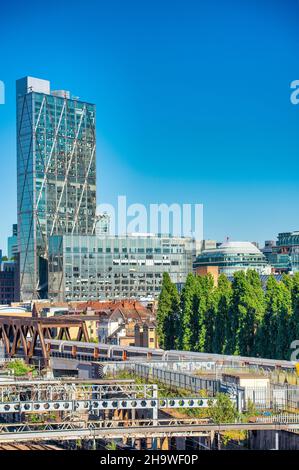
239, 317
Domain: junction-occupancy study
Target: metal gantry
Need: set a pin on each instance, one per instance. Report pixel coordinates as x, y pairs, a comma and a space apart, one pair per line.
89, 398
93, 405
109, 410
37, 390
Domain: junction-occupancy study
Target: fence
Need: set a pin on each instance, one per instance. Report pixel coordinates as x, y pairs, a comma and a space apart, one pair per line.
180, 380
274, 398
281, 418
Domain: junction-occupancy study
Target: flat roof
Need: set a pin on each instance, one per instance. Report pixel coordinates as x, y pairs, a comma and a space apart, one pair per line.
245, 375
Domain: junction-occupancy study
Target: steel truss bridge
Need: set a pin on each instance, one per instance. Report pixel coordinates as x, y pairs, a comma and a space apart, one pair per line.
27, 333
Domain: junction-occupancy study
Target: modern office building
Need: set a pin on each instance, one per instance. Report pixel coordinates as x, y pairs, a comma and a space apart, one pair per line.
56, 175
115, 267
12, 243
6, 287
234, 256
268, 247
284, 254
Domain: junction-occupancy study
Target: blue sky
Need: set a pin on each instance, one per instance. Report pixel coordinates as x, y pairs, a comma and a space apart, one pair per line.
193, 102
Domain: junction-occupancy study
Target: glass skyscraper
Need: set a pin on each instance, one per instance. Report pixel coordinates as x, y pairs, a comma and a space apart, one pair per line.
56, 175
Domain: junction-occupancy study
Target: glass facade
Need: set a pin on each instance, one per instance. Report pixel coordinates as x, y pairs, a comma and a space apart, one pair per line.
295, 259
103, 224
284, 256
56, 175
110, 267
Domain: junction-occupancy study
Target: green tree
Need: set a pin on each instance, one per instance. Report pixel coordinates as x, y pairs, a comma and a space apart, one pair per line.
206, 313
252, 315
284, 323
288, 281
172, 321
168, 314
275, 330
232, 318
189, 314
245, 314
236, 311
223, 294
267, 342
294, 320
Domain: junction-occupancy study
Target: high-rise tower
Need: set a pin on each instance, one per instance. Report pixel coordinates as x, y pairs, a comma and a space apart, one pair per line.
56, 175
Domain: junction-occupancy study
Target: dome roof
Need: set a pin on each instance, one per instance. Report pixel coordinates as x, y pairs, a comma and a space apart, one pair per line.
239, 247
234, 256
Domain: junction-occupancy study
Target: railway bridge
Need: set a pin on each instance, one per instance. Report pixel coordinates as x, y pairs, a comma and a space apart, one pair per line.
44, 338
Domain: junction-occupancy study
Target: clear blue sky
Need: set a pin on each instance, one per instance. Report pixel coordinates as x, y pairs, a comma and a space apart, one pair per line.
192, 102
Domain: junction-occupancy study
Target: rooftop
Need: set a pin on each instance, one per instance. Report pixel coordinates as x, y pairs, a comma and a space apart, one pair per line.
238, 247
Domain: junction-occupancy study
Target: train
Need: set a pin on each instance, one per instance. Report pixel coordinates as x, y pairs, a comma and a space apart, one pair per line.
110, 352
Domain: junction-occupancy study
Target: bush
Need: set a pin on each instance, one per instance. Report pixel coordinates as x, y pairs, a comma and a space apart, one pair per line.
111, 446
18, 367
223, 410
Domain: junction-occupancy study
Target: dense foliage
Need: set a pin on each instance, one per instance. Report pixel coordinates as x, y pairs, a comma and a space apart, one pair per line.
18, 367
222, 409
238, 317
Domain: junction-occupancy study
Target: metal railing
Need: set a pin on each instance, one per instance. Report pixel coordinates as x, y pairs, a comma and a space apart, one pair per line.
281, 418
180, 380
